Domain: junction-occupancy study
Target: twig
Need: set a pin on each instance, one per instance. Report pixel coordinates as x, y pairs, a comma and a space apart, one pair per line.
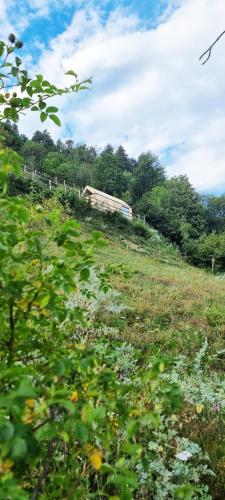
12, 332
41, 424
45, 472
208, 52
46, 468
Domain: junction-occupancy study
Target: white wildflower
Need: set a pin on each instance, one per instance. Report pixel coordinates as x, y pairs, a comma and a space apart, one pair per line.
184, 455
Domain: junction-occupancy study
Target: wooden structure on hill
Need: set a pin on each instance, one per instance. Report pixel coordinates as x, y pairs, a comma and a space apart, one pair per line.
107, 203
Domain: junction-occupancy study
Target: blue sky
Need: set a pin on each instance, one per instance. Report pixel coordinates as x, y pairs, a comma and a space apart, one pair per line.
53, 18
149, 90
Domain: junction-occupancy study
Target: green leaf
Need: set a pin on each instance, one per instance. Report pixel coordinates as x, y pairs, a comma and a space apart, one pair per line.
29, 91
43, 116
7, 112
18, 61
42, 104
85, 274
55, 119
71, 72
132, 449
43, 299
185, 492
25, 390
6, 429
14, 71
19, 448
81, 432
59, 367
51, 109
90, 414
96, 235
2, 47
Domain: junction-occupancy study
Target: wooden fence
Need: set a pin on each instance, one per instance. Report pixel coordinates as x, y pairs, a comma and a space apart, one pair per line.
49, 182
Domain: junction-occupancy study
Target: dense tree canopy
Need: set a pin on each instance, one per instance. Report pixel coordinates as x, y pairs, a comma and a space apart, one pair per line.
172, 205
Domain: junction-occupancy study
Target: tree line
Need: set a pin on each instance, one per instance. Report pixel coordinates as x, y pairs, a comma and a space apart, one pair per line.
194, 222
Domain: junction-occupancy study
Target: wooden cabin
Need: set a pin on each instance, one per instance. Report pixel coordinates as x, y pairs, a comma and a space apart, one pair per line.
107, 203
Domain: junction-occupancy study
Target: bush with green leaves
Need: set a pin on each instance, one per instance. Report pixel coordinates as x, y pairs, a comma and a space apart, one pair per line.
67, 420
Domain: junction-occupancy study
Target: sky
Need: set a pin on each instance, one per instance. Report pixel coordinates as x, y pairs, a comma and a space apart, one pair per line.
149, 90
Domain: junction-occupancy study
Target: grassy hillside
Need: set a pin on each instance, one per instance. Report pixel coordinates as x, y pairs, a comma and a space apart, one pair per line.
174, 309
173, 305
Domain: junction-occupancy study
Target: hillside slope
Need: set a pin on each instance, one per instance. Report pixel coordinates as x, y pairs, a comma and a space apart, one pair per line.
173, 305
176, 310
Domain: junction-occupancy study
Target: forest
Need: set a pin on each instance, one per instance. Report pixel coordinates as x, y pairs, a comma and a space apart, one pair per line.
195, 223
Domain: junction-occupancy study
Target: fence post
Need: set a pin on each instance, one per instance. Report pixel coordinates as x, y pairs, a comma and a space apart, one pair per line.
56, 180
50, 184
33, 174
64, 183
213, 263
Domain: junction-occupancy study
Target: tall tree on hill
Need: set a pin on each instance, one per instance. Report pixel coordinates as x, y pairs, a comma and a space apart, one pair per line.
12, 138
147, 174
69, 144
215, 212
84, 154
45, 139
173, 208
123, 161
108, 177
60, 146
34, 154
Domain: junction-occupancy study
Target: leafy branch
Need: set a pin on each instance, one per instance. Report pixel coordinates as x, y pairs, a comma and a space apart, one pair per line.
35, 91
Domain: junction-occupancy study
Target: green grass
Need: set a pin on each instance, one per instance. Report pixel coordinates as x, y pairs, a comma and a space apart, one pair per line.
171, 308
173, 305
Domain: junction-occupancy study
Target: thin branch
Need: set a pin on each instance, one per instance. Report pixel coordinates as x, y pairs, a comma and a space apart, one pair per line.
12, 332
208, 52
42, 478
47, 465
41, 424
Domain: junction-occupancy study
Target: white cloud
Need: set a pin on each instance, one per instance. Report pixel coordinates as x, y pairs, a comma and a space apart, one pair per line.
6, 26
149, 89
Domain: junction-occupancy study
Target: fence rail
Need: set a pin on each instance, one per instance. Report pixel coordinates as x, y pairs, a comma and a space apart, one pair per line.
50, 182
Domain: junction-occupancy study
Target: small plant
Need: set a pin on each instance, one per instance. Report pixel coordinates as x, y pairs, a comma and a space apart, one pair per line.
142, 229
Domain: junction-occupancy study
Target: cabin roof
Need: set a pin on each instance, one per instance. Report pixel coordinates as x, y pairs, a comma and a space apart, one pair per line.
91, 190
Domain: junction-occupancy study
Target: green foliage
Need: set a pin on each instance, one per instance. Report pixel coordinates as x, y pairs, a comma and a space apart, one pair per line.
148, 173
35, 91
215, 212
77, 205
113, 181
171, 207
141, 229
208, 247
71, 425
